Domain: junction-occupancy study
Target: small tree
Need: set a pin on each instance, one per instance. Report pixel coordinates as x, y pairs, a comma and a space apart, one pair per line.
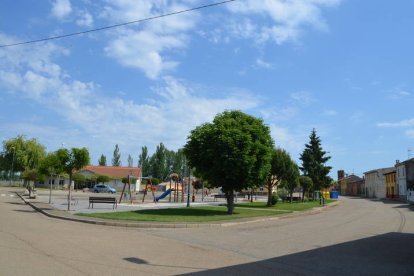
143, 161
306, 183
72, 160
103, 179
291, 179
232, 152
102, 160
130, 161
51, 166
79, 179
31, 175
116, 160
279, 168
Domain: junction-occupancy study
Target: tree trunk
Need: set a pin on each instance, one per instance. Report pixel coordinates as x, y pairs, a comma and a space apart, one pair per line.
230, 202
291, 195
303, 195
269, 194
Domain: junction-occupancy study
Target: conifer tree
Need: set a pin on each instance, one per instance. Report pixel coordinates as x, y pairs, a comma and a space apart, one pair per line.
314, 160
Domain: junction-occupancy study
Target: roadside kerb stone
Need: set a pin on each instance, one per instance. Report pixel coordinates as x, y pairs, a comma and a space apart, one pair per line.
52, 212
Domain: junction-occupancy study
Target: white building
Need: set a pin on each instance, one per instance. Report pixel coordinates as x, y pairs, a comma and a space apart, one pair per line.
405, 178
375, 186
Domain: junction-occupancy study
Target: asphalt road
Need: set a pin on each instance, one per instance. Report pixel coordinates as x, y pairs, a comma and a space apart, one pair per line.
357, 237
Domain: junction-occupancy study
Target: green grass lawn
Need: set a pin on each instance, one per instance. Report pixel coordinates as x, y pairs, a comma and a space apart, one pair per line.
193, 214
299, 206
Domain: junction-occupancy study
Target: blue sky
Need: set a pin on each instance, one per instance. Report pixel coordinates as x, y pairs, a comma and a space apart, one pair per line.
344, 68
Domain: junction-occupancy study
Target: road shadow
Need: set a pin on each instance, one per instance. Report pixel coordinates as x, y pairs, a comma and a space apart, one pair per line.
387, 254
405, 206
26, 211
16, 203
136, 260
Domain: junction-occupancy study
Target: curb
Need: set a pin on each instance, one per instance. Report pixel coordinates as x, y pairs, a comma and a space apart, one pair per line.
70, 217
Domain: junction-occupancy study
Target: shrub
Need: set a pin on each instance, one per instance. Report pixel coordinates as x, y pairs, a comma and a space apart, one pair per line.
275, 198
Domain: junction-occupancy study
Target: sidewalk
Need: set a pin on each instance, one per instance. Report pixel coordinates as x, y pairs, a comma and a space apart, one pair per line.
58, 209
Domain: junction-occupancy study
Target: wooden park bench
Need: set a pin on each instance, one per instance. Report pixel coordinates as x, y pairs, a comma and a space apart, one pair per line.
96, 199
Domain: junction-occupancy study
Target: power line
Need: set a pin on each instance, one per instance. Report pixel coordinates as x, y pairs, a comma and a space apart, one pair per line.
116, 25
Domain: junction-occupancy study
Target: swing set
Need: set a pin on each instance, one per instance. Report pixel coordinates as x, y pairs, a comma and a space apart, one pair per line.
175, 191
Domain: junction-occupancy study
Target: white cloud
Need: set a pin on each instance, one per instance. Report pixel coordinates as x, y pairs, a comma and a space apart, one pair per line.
403, 123
329, 112
398, 94
168, 117
61, 9
263, 64
85, 19
302, 97
287, 18
284, 138
146, 46
410, 133
147, 56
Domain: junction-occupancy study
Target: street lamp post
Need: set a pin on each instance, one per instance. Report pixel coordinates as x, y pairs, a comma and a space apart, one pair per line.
50, 191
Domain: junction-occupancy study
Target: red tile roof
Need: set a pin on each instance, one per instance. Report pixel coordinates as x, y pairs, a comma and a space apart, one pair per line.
113, 171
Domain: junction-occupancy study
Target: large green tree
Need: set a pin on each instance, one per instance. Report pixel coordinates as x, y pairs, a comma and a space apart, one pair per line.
21, 154
314, 160
279, 170
73, 160
116, 160
233, 152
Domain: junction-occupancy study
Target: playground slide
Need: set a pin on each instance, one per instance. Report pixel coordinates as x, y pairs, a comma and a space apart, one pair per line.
167, 192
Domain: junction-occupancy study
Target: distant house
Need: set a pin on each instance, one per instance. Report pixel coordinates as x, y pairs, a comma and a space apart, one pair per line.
114, 173
405, 178
375, 186
351, 185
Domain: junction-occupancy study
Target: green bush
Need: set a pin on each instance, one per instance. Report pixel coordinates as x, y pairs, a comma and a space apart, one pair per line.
275, 198
155, 181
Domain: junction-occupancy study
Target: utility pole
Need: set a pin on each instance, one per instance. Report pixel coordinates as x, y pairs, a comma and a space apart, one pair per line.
12, 164
188, 186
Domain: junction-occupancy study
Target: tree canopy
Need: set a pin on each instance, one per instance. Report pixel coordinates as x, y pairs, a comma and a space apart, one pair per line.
116, 160
102, 160
291, 178
130, 161
24, 154
72, 160
314, 159
232, 152
143, 161
279, 170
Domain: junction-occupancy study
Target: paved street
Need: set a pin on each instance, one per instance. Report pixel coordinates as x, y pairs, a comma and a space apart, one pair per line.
357, 237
